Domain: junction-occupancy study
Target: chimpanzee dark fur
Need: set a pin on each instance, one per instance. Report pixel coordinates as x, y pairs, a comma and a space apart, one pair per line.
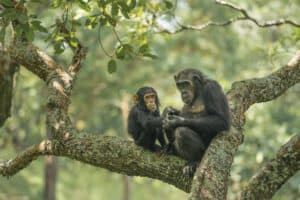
145, 126
204, 115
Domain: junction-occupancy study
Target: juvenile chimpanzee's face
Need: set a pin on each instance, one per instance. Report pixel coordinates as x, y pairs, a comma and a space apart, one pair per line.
186, 89
149, 99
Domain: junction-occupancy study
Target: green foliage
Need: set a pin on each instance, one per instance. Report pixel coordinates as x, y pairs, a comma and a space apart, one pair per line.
112, 66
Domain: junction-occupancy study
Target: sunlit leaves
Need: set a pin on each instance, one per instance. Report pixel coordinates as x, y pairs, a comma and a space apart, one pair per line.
37, 26
56, 3
114, 9
123, 18
168, 4
29, 33
84, 5
91, 22
6, 2
9, 13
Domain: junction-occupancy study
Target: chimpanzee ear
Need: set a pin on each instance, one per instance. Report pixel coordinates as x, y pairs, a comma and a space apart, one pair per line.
135, 99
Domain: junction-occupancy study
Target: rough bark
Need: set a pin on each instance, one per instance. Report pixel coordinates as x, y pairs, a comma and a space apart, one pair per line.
122, 156
275, 173
211, 178
112, 153
50, 178
7, 71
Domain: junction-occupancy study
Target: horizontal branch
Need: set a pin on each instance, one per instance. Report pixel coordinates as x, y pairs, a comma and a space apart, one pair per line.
12, 166
112, 153
268, 88
275, 173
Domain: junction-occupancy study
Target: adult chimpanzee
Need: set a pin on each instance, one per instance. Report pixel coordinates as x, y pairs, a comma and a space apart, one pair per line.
204, 114
144, 121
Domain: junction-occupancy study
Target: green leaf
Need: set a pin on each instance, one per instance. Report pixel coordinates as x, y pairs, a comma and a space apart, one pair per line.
9, 13
150, 55
124, 9
74, 42
37, 26
6, 2
59, 47
102, 21
168, 4
143, 49
29, 34
111, 20
56, 3
114, 9
120, 53
85, 6
22, 18
132, 4
112, 66
128, 47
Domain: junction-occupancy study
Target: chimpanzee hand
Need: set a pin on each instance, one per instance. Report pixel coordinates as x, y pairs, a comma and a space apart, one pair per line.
172, 121
169, 111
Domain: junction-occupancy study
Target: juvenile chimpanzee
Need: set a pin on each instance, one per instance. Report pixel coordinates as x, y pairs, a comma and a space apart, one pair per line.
204, 114
144, 121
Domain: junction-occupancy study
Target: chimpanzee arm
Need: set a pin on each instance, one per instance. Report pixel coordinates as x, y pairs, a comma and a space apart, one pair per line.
149, 121
133, 126
161, 138
216, 102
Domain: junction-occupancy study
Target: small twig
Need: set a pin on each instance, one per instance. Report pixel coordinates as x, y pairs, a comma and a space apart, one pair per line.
264, 24
245, 16
77, 59
100, 43
117, 36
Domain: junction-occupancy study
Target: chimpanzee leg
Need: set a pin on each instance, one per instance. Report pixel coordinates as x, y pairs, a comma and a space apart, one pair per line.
188, 144
147, 140
169, 148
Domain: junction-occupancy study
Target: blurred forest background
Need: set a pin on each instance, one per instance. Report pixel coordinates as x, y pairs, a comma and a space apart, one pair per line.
101, 100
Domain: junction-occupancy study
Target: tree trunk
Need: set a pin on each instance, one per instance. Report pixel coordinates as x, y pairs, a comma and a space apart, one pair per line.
50, 178
126, 179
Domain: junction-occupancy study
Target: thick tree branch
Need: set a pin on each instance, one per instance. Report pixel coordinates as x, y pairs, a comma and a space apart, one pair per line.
112, 153
7, 71
211, 177
12, 166
275, 173
34, 59
265, 89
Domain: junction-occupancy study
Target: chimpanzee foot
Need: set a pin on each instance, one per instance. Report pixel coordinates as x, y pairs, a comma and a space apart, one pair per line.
190, 169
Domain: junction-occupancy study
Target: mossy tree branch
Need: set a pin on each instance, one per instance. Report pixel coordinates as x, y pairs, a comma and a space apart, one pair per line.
265, 183
211, 178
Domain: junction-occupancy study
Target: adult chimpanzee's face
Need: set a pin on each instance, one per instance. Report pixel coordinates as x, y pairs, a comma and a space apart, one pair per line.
149, 99
186, 89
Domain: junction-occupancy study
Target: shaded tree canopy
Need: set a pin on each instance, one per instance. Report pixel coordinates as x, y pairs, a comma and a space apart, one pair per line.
133, 25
